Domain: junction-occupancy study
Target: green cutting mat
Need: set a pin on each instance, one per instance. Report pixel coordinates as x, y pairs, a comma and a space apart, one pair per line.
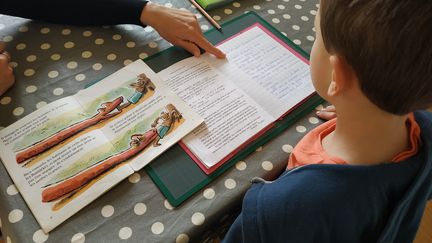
174, 172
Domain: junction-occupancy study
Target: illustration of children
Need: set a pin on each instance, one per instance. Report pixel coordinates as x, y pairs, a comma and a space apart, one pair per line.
141, 86
162, 124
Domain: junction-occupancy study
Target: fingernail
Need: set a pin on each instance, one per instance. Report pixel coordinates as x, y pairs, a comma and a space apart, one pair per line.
318, 112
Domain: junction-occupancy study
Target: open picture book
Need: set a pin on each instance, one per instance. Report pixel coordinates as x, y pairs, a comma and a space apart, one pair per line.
66, 154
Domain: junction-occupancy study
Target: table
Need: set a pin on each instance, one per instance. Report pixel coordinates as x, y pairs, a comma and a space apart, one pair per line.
54, 61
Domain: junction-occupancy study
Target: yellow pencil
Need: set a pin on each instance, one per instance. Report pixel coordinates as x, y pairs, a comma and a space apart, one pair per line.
203, 12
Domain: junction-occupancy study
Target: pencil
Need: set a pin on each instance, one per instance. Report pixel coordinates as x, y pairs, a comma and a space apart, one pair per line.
203, 12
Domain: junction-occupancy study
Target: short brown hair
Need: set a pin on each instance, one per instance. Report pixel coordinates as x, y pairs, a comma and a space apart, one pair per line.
388, 43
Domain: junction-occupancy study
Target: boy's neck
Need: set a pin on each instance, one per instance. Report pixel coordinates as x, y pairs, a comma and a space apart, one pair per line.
367, 136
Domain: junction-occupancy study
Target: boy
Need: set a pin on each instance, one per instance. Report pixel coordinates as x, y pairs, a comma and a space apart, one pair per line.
366, 175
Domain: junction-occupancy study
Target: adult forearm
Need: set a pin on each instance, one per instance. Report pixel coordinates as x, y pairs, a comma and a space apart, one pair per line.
77, 12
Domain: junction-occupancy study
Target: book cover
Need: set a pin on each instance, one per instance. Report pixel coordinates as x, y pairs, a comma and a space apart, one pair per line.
212, 4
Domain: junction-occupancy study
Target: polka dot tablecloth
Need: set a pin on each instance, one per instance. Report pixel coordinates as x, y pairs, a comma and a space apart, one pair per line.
54, 61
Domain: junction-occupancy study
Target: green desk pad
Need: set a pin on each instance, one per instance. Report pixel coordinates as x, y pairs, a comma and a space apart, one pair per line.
177, 176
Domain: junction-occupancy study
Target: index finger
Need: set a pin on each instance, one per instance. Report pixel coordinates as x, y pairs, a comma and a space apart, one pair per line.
208, 47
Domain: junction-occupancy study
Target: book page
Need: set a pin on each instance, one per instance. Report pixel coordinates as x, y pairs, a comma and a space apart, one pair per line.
146, 116
266, 68
53, 182
231, 117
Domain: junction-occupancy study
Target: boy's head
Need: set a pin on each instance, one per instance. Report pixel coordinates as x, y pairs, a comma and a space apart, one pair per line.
386, 43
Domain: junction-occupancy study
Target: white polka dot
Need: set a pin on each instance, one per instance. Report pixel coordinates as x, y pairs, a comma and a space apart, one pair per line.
313, 12
134, 178
286, 16
304, 18
45, 30
297, 42
298, 6
198, 218
281, 6
182, 238
116, 37
276, 20
15, 216
313, 120
267, 165
13, 64
72, 65
111, 57
168, 205
310, 38
45, 46
21, 46
143, 55
257, 7
41, 104
12, 190
230, 183
241, 165
271, 11
97, 66
5, 100
107, 211
53, 74
131, 44
99, 41
217, 17
69, 44
157, 228
78, 238
31, 89
287, 148
140, 208
168, 5
58, 91
301, 129
209, 193
80, 77
31, 58
8, 38
55, 57
228, 11
260, 148
66, 32
29, 72
127, 62
153, 44
86, 54
40, 236
204, 27
296, 27
23, 29
87, 33
125, 233
18, 111
198, 16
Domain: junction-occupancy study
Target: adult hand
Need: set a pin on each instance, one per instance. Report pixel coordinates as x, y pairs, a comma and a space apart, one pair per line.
179, 27
327, 113
7, 78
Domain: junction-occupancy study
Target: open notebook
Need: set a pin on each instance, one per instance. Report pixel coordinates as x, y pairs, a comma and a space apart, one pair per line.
241, 97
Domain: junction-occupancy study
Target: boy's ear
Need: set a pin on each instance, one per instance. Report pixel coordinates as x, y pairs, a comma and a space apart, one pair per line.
342, 76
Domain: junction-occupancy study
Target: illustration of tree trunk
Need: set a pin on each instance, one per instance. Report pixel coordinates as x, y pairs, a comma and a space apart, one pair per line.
41, 146
57, 191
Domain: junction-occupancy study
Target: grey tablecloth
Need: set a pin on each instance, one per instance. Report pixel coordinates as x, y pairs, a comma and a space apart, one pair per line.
54, 61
